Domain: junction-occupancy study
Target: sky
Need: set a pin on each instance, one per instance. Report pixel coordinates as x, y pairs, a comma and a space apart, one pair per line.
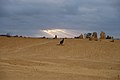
65, 18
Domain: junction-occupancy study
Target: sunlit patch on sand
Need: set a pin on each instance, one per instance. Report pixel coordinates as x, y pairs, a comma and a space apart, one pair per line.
58, 32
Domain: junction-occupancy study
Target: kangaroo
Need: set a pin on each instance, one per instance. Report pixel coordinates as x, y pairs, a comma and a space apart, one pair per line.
62, 41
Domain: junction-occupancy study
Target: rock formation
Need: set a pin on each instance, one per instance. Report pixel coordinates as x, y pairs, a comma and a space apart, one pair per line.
81, 36
55, 37
102, 35
94, 37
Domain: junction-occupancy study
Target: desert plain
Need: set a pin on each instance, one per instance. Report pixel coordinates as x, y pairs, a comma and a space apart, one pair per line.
43, 59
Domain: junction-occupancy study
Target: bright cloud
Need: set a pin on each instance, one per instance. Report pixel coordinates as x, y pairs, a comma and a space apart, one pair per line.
59, 32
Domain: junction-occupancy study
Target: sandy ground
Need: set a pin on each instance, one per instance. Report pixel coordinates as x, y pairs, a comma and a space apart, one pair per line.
43, 59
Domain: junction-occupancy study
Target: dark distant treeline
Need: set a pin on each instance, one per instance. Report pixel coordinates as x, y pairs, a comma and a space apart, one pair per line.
19, 36
9, 35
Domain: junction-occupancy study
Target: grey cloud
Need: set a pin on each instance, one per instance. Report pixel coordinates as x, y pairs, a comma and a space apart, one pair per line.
70, 14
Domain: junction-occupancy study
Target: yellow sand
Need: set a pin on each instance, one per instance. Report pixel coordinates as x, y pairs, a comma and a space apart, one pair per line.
43, 59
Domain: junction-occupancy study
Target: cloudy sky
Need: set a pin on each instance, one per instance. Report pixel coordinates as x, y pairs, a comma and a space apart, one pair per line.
66, 18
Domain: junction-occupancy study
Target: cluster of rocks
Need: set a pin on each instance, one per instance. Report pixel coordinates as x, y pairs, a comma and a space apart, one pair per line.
92, 36
95, 37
